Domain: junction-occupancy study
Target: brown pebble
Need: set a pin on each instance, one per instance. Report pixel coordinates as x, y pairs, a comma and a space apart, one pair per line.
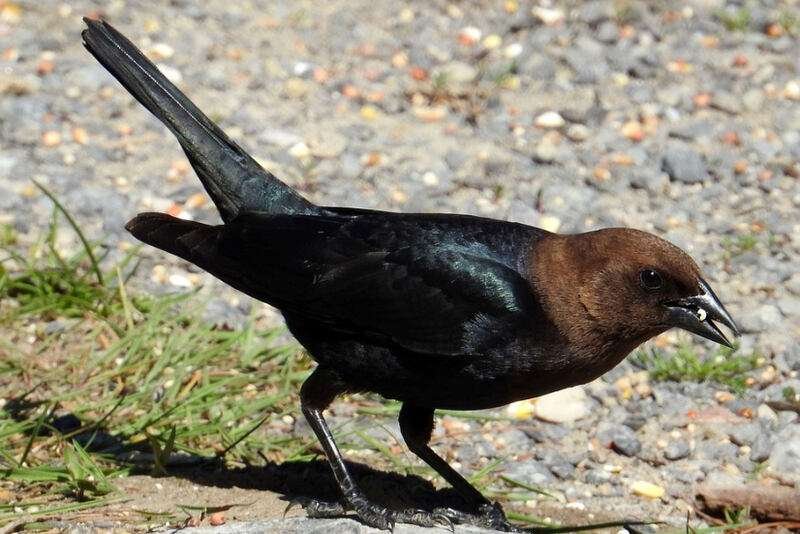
375, 96
197, 200
740, 60
740, 167
367, 50
680, 66
619, 158
235, 54
702, 100
418, 73
45, 67
773, 29
177, 170
321, 75
191, 521
80, 136
633, 131
627, 32
10, 54
371, 159
601, 173
10, 12
216, 519
401, 197
174, 209
731, 138
350, 91
51, 138
469, 36
723, 397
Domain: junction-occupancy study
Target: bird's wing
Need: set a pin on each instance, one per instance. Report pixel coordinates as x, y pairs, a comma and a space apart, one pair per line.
426, 297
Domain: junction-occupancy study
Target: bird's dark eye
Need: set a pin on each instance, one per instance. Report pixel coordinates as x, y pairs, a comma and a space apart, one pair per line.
650, 279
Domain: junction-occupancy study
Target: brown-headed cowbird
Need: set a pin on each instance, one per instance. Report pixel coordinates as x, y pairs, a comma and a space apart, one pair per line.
434, 310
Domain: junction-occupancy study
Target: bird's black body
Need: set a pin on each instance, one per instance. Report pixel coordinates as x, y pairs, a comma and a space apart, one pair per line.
429, 308
435, 310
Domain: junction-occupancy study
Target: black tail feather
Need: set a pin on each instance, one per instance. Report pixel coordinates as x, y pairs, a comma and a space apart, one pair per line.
192, 241
233, 179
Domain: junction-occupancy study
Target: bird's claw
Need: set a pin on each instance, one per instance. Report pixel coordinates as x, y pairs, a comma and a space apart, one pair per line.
489, 516
323, 509
422, 518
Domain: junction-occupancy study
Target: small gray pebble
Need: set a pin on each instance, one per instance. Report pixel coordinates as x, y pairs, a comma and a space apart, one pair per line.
784, 461
608, 32
628, 445
676, 450
54, 327
621, 439
563, 470
744, 434
635, 422
761, 448
651, 180
683, 164
530, 472
596, 476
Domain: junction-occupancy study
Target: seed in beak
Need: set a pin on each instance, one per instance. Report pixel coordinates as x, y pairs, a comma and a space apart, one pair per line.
701, 314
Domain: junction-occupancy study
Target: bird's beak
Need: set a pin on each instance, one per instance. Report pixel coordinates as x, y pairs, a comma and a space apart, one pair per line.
697, 314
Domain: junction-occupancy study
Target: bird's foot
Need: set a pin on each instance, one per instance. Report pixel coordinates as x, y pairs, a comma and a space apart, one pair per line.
489, 516
374, 515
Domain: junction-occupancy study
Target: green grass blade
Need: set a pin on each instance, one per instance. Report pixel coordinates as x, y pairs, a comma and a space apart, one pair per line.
90, 253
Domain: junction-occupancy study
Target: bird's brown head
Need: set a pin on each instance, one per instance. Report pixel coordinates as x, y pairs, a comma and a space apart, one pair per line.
620, 287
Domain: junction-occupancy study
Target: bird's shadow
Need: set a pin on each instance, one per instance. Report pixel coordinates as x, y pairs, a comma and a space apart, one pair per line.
300, 481
295, 481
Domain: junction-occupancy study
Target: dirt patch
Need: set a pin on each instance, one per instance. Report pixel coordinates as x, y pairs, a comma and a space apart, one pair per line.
170, 500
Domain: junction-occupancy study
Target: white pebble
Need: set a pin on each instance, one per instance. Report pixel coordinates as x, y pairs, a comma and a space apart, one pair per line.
550, 119
300, 151
470, 33
172, 74
550, 17
549, 223
578, 132
162, 51
301, 67
563, 406
513, 50
792, 90
430, 178
179, 280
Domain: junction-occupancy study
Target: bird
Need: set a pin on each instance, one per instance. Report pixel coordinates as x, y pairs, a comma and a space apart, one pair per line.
435, 310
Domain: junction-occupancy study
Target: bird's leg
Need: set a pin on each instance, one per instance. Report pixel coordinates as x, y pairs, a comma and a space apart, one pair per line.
317, 393
416, 425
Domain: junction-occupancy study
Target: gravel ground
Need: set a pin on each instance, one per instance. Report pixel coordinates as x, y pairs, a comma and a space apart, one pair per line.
682, 119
